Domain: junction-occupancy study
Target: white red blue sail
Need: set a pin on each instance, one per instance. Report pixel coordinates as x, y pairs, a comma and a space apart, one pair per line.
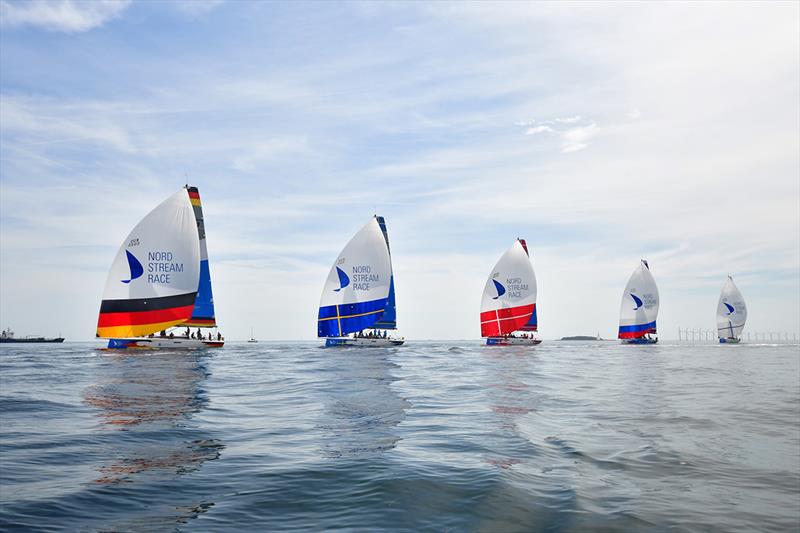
509, 296
639, 306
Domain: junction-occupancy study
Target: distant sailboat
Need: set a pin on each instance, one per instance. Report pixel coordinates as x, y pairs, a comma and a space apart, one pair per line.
639, 307
160, 279
359, 292
509, 299
731, 313
252, 338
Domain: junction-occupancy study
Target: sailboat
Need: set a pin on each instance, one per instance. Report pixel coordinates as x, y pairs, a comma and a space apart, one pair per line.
639, 307
731, 313
509, 299
252, 338
358, 296
160, 279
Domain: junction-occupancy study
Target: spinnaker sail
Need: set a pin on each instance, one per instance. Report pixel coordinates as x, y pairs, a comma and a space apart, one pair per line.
364, 300
509, 296
153, 281
731, 311
639, 307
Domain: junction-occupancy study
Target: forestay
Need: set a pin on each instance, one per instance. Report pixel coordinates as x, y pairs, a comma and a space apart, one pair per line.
731, 311
153, 279
357, 288
509, 296
639, 307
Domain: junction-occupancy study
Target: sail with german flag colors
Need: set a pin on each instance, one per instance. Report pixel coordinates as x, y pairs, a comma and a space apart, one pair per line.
154, 278
203, 312
639, 307
509, 297
358, 286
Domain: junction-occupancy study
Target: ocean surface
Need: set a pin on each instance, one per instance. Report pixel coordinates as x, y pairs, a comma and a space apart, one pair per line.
431, 436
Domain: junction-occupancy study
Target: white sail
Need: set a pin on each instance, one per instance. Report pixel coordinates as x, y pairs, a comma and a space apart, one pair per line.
154, 276
357, 288
639, 307
731, 311
509, 295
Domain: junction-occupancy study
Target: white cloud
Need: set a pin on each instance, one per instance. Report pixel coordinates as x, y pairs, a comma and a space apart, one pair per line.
69, 16
538, 129
568, 120
578, 138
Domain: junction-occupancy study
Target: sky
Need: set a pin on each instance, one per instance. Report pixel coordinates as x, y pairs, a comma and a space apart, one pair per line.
602, 133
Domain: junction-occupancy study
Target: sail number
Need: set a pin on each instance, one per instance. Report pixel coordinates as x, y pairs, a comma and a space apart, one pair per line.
133, 242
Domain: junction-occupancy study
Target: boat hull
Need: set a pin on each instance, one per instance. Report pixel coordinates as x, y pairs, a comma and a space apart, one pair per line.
511, 341
342, 342
156, 343
29, 341
640, 340
731, 340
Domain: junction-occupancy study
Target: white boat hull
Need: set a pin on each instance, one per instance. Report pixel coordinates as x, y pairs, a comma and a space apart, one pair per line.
154, 343
362, 342
512, 341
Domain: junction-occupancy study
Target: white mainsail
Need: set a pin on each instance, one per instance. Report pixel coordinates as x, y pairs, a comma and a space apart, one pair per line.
731, 311
509, 296
357, 288
639, 307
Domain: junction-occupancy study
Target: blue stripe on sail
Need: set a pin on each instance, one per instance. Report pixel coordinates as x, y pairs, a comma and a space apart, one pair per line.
389, 318
532, 324
638, 327
338, 320
204, 303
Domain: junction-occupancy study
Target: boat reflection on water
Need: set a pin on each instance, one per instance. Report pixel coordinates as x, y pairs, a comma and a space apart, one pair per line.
147, 402
361, 410
510, 400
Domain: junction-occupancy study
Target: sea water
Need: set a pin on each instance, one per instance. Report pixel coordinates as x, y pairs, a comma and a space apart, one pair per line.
431, 436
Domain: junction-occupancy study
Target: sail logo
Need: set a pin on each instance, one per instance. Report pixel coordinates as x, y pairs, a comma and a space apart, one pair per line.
500, 289
344, 279
135, 266
363, 278
161, 266
637, 301
515, 287
731, 310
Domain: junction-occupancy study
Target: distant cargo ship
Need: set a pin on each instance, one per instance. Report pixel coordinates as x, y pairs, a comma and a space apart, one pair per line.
8, 336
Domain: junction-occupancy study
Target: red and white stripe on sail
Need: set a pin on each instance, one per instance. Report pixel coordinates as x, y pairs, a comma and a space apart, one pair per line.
509, 297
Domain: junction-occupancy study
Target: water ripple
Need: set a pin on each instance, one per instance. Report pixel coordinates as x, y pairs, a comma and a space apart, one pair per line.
448, 436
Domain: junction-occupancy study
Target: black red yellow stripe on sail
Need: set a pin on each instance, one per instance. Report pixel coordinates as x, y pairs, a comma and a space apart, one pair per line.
143, 316
194, 196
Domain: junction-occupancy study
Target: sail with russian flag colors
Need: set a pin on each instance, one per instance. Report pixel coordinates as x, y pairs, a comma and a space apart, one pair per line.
639, 307
731, 312
153, 281
203, 312
509, 296
356, 292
